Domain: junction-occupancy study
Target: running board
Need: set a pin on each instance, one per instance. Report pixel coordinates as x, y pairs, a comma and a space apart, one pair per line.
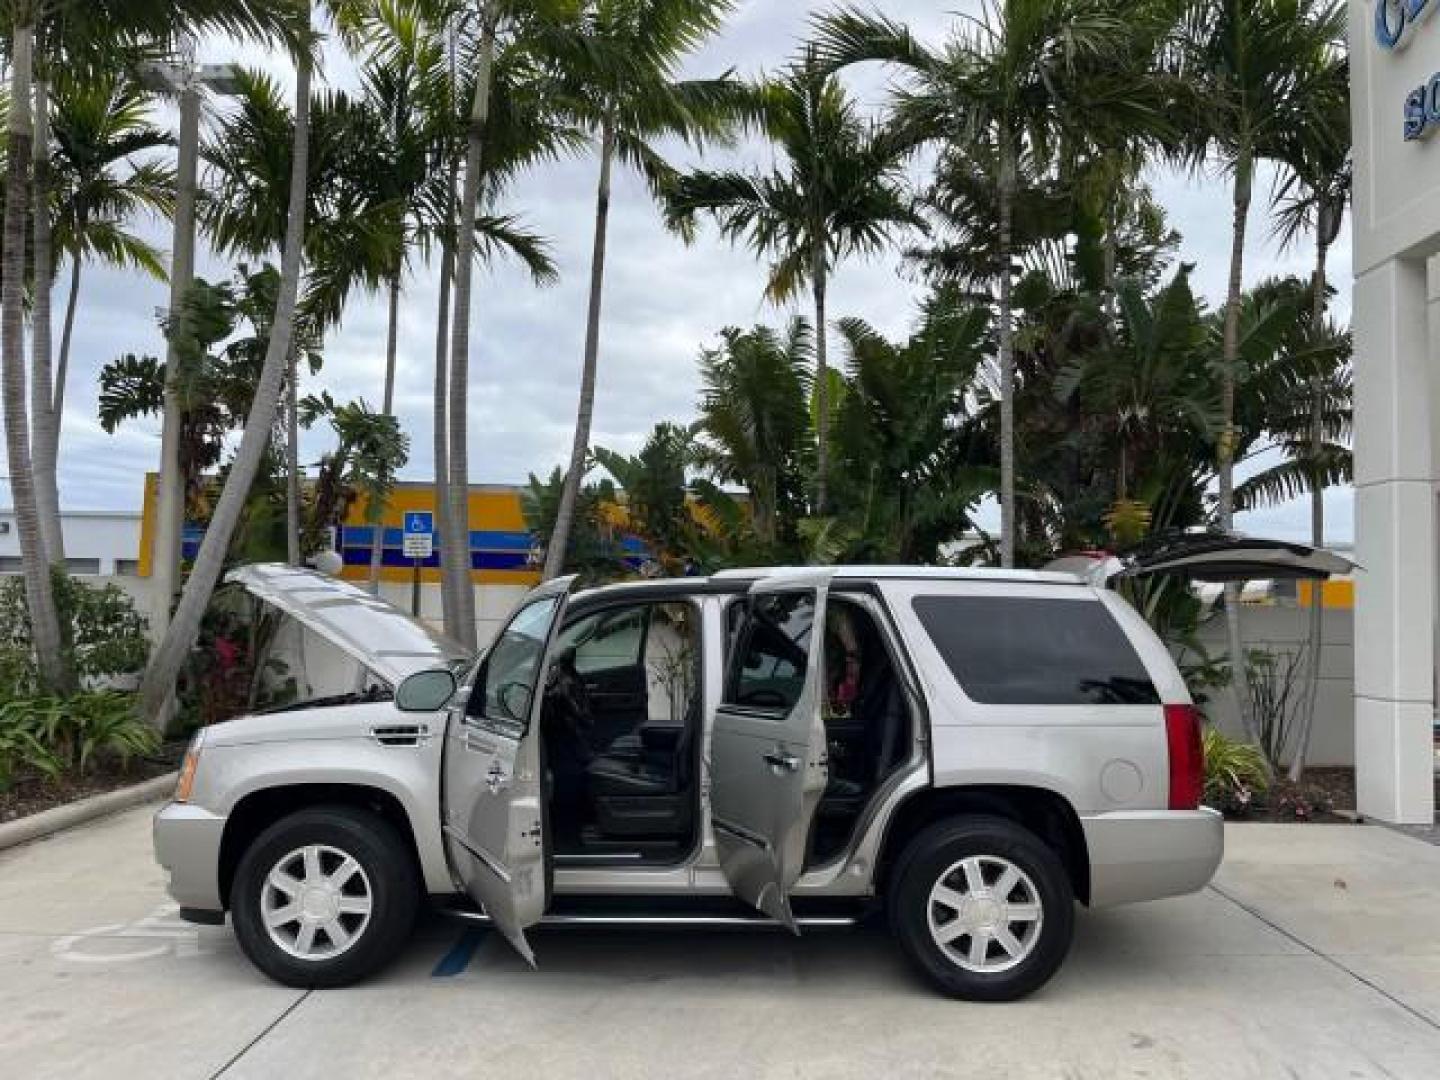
756, 922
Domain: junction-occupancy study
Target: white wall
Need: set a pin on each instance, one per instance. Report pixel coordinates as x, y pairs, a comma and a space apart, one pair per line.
1284, 627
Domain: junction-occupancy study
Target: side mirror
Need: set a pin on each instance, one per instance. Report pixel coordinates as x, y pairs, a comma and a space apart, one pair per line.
426, 691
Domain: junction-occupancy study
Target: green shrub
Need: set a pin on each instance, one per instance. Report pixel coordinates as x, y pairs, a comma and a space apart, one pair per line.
1235, 773
104, 636
51, 736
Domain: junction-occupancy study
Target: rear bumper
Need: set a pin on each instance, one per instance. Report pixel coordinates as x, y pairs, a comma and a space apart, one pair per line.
187, 844
1149, 854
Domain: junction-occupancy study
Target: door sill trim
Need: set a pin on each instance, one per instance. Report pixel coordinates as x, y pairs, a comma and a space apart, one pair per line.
757, 921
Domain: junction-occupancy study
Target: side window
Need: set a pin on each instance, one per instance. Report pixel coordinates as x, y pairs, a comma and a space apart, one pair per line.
1010, 650
505, 684
768, 668
607, 640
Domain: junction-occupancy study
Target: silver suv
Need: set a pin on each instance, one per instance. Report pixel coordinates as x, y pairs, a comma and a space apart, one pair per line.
971, 751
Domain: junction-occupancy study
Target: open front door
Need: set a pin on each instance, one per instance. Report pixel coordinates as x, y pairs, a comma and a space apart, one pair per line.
767, 753
493, 804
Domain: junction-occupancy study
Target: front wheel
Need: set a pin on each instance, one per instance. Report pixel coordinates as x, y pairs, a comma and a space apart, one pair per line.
983, 908
324, 897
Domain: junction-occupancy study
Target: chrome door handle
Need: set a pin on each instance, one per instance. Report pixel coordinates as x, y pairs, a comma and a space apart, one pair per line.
781, 761
495, 778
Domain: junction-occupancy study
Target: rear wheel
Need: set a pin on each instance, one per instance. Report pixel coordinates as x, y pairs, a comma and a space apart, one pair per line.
983, 908
324, 897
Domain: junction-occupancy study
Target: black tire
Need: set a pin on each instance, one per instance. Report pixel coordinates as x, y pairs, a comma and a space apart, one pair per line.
389, 878
941, 847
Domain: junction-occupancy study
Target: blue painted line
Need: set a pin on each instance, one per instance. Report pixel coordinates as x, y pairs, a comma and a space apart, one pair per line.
458, 958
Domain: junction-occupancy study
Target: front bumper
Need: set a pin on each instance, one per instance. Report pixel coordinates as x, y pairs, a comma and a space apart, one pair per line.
187, 844
1149, 854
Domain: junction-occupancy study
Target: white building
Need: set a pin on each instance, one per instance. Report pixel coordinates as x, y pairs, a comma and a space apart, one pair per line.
1395, 112
98, 543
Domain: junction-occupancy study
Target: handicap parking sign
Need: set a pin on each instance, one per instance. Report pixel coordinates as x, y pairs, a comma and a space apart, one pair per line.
419, 534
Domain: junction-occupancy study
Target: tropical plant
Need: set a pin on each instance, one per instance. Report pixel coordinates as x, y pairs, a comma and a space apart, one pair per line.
82, 37
908, 466
1235, 773
595, 549
754, 425
105, 637
100, 123
1256, 68
655, 491
370, 451
619, 81
838, 193
1018, 82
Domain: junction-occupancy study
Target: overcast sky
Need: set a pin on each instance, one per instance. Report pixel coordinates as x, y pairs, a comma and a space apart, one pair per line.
663, 302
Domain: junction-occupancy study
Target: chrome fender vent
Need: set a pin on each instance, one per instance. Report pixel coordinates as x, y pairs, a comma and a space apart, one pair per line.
400, 734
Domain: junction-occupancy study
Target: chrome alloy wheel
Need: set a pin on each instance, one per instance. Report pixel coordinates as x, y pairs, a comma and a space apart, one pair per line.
985, 914
316, 902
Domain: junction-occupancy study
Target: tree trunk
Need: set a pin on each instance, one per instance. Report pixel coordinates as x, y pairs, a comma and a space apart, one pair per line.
42, 383
822, 379
292, 459
62, 362
184, 628
580, 447
1244, 178
441, 434
387, 407
1007, 363
456, 547
170, 486
1316, 635
55, 675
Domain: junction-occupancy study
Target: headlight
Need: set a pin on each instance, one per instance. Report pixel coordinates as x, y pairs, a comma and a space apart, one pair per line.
187, 769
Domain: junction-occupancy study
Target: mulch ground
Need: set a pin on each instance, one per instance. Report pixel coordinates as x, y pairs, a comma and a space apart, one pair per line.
30, 793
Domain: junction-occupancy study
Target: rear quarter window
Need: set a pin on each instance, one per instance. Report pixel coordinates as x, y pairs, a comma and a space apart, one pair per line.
1011, 650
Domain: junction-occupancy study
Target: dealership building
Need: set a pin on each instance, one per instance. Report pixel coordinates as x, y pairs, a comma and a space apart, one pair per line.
1395, 103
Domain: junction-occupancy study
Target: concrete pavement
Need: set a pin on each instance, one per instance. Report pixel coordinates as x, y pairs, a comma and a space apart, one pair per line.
1315, 954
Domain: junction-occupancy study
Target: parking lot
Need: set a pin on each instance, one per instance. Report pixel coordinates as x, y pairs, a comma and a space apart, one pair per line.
1315, 954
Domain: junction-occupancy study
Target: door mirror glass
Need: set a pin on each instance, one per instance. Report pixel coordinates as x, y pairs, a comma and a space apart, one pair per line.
514, 699
425, 691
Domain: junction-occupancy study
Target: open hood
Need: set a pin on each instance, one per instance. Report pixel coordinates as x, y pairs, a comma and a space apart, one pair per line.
1212, 557
385, 639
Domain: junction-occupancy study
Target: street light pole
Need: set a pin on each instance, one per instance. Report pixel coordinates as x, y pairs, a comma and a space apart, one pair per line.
185, 80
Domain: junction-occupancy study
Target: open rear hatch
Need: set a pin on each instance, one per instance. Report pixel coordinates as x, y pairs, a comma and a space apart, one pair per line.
1214, 557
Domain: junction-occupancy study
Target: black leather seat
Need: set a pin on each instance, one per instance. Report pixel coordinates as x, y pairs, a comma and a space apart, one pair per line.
647, 793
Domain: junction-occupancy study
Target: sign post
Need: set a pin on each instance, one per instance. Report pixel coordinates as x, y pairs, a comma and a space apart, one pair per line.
419, 541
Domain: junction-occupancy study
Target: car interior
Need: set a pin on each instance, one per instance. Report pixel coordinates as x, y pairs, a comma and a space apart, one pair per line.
620, 725
866, 713
867, 723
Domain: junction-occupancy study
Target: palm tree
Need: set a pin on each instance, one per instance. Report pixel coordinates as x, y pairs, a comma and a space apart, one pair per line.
1020, 80
184, 628
1311, 199
620, 82
838, 193
370, 451
101, 122
85, 35
1257, 68
754, 426
50, 655
903, 458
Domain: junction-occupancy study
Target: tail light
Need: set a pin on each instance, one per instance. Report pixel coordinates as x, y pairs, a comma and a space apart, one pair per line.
1187, 759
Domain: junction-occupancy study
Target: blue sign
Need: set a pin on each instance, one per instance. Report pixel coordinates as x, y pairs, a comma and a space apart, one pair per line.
1393, 18
1422, 109
419, 521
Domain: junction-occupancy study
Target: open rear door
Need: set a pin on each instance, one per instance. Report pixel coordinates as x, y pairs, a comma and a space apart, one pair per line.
1227, 557
768, 767
494, 809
